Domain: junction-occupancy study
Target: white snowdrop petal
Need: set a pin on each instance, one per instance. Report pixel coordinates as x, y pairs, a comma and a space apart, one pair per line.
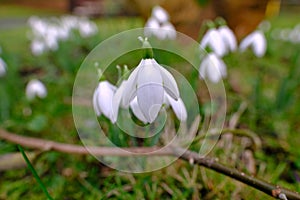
257, 41
105, 99
160, 14
95, 102
169, 30
213, 68
178, 108
35, 88
202, 68
151, 27
213, 39
260, 45
137, 111
37, 47
245, 43
131, 86
150, 90
150, 100
2, 67
228, 37
213, 73
169, 83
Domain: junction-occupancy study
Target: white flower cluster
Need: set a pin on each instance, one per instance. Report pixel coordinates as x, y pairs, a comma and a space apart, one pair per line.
46, 33
2, 66
159, 26
287, 34
222, 41
148, 88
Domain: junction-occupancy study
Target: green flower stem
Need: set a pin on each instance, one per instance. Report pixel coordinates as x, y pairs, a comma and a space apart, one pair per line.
36, 176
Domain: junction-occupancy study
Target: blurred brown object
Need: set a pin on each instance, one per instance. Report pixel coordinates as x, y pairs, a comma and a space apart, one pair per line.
188, 15
242, 16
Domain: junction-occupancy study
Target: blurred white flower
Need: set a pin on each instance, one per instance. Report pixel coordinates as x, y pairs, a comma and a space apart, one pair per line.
103, 100
159, 26
51, 38
213, 68
37, 47
148, 82
38, 26
87, 28
265, 26
294, 36
168, 31
51, 31
257, 41
214, 40
160, 14
2, 67
35, 88
69, 22
228, 37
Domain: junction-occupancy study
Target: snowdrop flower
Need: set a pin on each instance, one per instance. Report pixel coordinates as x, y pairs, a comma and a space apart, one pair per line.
69, 22
168, 31
214, 40
159, 26
228, 37
160, 14
87, 28
103, 100
39, 27
63, 33
257, 41
2, 67
213, 68
35, 88
51, 38
148, 83
37, 47
162, 32
294, 36
265, 26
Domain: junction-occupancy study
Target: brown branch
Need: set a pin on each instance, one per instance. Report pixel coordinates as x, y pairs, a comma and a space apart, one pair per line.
192, 157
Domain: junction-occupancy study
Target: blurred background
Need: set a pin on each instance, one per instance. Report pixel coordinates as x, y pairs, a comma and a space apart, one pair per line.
262, 91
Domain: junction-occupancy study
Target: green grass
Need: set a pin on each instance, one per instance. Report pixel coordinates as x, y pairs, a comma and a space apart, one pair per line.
14, 11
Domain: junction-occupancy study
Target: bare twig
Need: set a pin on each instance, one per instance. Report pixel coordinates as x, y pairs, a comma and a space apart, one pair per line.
211, 163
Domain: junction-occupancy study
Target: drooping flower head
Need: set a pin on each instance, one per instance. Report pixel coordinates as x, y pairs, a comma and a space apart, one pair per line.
103, 100
227, 35
214, 41
257, 41
160, 14
35, 88
213, 68
159, 26
2, 67
146, 87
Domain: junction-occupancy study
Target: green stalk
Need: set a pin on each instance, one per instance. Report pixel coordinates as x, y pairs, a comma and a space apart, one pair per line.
36, 176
